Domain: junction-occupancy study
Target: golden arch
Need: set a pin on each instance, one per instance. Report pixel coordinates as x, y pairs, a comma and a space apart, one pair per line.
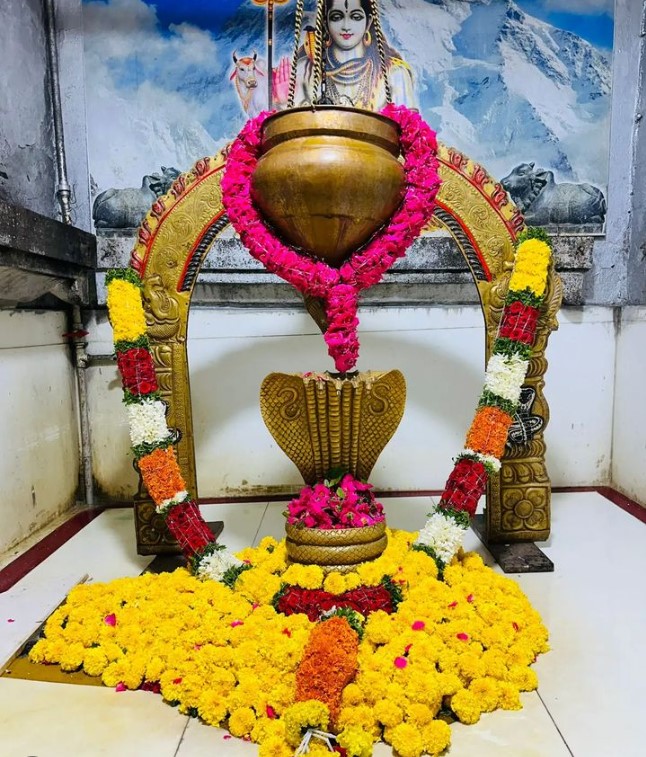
172, 244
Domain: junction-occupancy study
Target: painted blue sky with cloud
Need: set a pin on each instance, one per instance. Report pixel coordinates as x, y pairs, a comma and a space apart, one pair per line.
590, 19
159, 90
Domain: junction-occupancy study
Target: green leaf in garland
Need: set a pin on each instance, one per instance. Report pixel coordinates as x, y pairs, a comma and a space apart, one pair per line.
511, 348
232, 574
489, 399
394, 590
353, 618
527, 297
534, 232
433, 555
284, 588
461, 518
140, 343
147, 447
135, 399
123, 274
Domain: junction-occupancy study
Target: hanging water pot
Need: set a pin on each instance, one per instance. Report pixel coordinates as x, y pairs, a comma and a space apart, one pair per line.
328, 178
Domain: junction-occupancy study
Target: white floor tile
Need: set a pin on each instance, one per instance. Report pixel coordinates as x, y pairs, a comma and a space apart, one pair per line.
200, 739
594, 606
59, 720
241, 521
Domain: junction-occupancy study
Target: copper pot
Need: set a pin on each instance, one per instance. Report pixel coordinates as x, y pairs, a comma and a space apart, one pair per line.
328, 178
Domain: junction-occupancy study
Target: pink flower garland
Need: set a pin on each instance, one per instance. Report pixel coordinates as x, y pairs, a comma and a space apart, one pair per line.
339, 288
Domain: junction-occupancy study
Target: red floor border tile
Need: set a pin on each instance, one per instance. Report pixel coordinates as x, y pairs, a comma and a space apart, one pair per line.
25, 563
624, 502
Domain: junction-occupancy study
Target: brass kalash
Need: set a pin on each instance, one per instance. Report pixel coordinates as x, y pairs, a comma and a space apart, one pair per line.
328, 178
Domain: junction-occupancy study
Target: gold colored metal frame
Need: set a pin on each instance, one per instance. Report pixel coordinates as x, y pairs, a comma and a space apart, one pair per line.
175, 237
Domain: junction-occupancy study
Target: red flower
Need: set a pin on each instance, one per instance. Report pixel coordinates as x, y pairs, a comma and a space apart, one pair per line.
186, 524
519, 322
137, 371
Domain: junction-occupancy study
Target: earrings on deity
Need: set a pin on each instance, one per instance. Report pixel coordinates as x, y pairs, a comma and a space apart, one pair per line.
367, 38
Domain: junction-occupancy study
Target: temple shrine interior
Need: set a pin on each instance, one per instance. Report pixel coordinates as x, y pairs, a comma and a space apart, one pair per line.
322, 327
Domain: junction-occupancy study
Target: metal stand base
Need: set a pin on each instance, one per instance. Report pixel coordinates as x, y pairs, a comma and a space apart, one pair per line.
517, 557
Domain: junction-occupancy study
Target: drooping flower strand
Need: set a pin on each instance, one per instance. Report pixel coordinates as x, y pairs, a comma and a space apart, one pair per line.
152, 440
339, 288
506, 371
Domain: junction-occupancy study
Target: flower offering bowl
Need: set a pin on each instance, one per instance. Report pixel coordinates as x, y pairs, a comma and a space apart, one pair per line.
329, 178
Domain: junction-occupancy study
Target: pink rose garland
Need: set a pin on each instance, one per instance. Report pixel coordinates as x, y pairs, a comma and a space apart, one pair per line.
339, 288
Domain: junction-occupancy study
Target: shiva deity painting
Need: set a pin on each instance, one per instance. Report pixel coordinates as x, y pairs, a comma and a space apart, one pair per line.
521, 86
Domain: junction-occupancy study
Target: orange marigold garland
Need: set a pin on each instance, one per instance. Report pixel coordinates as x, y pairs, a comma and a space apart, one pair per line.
329, 663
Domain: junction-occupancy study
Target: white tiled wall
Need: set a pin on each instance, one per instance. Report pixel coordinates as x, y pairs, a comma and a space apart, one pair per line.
439, 350
629, 440
39, 439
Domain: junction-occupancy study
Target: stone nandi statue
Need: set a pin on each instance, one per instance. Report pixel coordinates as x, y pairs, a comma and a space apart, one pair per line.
126, 208
544, 202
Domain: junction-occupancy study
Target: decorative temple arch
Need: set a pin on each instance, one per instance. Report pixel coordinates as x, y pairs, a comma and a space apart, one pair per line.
172, 244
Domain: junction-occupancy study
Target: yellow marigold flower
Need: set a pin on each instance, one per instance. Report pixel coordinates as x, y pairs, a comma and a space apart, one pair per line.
419, 714
530, 267
436, 737
335, 583
373, 685
370, 573
275, 747
39, 653
268, 728
95, 661
212, 707
466, 707
388, 713
395, 693
303, 715
305, 576
352, 695
520, 654
123, 671
524, 678
406, 740
485, 691
471, 666
126, 312
258, 586
72, 657
352, 580
356, 742
509, 697
379, 628
242, 722
362, 716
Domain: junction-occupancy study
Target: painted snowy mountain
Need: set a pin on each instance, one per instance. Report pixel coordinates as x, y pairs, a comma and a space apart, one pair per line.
495, 82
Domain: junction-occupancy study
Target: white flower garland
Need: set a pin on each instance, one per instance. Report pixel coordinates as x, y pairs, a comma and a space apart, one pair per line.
505, 376
443, 534
214, 565
147, 421
488, 460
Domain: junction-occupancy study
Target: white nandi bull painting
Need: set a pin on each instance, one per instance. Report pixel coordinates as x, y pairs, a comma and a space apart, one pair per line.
511, 83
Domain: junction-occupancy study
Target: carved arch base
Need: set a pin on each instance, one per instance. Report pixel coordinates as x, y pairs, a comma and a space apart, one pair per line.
172, 244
